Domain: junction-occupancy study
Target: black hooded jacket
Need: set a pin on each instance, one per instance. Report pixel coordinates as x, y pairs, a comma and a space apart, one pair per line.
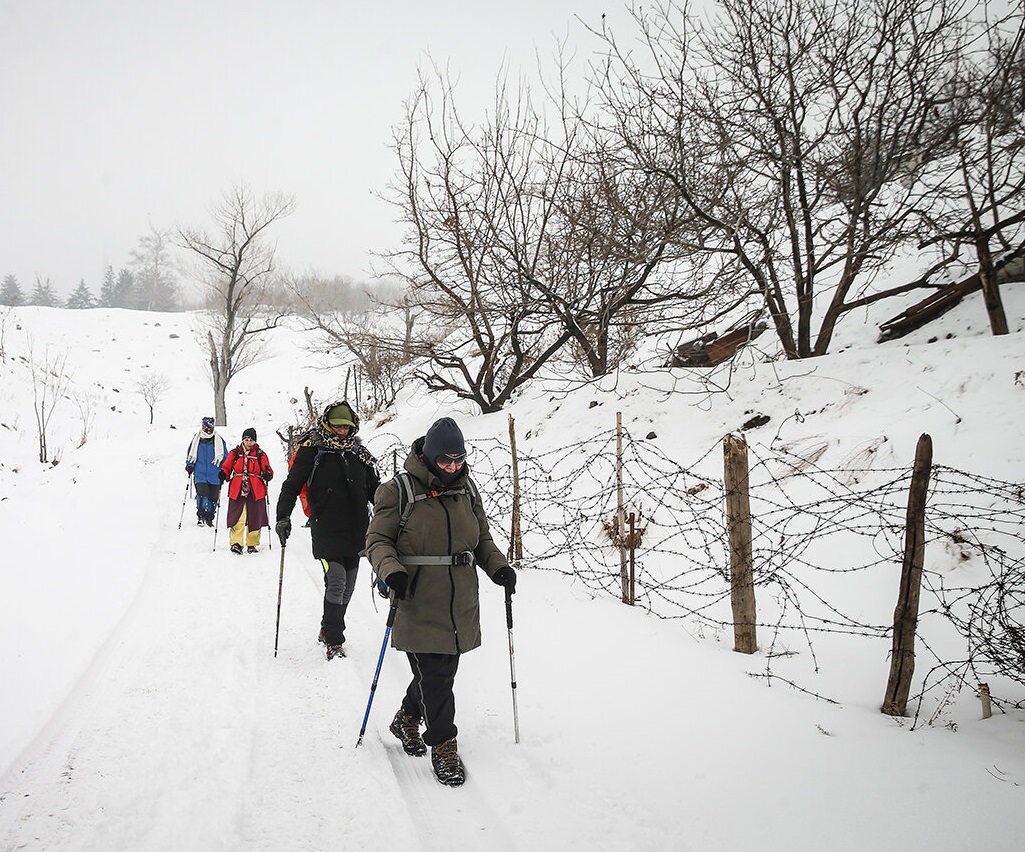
340, 494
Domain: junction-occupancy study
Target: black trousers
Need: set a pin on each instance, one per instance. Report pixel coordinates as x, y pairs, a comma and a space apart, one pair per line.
339, 584
208, 494
430, 694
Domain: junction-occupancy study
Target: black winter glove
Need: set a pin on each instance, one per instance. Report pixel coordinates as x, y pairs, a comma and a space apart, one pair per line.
284, 529
221, 475
189, 468
505, 576
266, 477
397, 583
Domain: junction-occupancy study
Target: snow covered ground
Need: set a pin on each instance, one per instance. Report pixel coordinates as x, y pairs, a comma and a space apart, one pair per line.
142, 707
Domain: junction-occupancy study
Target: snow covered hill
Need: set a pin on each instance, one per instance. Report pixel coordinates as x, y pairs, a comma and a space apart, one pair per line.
142, 707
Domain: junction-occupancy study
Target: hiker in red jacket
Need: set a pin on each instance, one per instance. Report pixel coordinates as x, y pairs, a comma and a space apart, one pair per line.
247, 472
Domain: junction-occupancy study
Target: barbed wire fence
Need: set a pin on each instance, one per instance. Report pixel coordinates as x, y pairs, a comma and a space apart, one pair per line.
821, 539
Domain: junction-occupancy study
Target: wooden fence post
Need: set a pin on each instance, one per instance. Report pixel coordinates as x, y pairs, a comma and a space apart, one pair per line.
987, 705
620, 512
905, 616
738, 528
515, 553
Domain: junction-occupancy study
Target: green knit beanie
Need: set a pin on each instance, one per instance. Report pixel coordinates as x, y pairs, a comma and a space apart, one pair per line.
341, 415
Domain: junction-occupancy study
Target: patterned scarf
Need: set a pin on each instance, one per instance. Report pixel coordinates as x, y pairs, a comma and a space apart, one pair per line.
325, 439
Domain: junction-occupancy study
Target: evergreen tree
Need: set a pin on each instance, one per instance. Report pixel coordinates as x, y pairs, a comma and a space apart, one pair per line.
124, 290
10, 292
108, 292
156, 286
81, 298
43, 294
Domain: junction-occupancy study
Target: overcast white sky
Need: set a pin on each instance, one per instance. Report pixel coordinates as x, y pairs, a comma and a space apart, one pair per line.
119, 114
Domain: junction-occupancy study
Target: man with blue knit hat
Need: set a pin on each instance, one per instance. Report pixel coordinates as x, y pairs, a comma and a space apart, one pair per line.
203, 463
429, 557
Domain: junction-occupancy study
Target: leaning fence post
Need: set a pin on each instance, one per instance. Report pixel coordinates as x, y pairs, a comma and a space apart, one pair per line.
515, 536
738, 528
905, 616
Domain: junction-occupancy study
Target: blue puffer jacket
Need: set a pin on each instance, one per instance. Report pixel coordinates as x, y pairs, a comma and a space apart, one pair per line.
210, 454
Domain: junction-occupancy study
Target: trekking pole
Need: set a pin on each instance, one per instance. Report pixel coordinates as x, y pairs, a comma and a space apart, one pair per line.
281, 580
394, 608
217, 520
188, 488
512, 662
270, 538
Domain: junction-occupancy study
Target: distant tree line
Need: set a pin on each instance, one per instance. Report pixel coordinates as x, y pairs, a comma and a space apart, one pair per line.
148, 283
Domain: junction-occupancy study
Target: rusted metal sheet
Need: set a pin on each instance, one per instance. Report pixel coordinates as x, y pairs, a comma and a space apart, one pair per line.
711, 349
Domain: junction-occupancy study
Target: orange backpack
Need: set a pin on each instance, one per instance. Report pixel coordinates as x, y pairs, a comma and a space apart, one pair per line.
304, 495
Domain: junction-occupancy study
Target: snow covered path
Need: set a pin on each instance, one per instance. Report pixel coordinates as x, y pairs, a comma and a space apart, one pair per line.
187, 733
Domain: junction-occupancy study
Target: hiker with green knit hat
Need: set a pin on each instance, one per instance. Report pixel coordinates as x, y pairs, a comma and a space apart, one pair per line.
340, 477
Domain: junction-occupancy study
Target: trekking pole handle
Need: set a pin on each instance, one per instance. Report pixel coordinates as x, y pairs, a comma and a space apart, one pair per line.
508, 609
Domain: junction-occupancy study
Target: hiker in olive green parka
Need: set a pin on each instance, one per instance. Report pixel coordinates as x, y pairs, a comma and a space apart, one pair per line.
431, 567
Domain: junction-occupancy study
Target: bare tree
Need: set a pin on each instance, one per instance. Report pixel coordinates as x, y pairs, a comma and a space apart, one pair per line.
617, 258
151, 387
472, 227
799, 134
87, 414
5, 318
980, 199
236, 262
50, 381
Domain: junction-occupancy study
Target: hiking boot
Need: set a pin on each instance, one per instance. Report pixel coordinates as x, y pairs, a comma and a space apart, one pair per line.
252, 549
407, 729
448, 768
236, 548
321, 638
335, 651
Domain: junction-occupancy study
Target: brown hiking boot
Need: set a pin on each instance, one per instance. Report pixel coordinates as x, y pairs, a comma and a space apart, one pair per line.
448, 768
407, 729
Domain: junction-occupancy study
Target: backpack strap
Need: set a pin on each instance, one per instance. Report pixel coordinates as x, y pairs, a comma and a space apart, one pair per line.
408, 498
313, 470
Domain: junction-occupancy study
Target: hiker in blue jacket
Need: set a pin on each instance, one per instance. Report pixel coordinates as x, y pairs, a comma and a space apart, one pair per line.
340, 478
207, 451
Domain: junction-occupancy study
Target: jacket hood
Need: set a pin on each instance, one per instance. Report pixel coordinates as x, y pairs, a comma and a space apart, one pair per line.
418, 467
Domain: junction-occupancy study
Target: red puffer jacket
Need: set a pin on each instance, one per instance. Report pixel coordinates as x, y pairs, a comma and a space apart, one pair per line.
239, 465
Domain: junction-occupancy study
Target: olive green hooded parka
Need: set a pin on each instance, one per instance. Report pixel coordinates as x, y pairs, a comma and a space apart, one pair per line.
441, 613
